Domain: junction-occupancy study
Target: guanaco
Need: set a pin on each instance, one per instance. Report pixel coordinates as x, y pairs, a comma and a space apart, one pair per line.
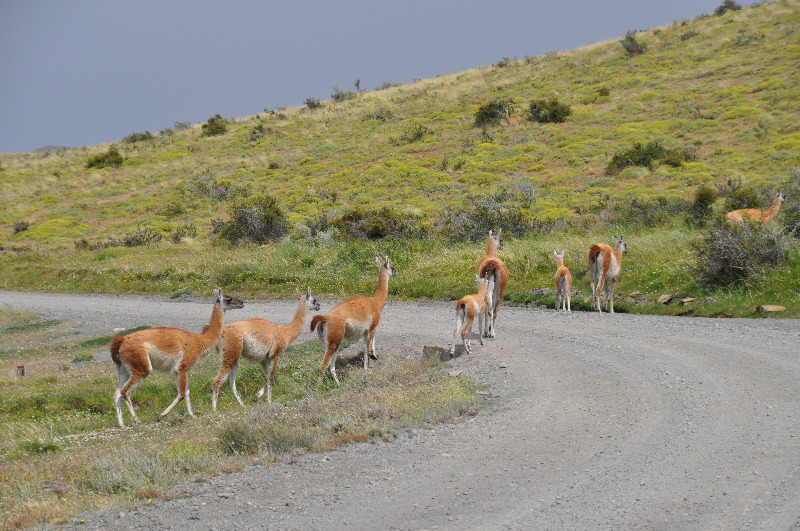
165, 349
353, 319
512, 120
605, 264
470, 307
490, 264
563, 283
261, 341
756, 215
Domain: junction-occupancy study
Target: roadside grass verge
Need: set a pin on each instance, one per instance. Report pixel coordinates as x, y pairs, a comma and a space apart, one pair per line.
63, 453
660, 261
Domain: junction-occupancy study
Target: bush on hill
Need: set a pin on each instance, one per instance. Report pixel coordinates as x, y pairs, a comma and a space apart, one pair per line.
549, 111
111, 158
729, 253
257, 219
216, 125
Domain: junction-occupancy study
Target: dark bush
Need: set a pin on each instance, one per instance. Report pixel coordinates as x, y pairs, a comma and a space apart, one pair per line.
21, 226
111, 158
505, 209
216, 125
632, 46
312, 103
644, 155
702, 209
339, 95
257, 219
549, 111
140, 236
728, 253
727, 5
377, 224
790, 209
137, 137
652, 212
490, 114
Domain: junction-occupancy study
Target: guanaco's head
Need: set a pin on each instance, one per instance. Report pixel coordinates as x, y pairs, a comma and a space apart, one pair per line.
780, 197
558, 256
313, 303
386, 265
619, 245
226, 301
495, 241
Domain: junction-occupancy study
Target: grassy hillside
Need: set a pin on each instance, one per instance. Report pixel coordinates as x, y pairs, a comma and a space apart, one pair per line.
721, 91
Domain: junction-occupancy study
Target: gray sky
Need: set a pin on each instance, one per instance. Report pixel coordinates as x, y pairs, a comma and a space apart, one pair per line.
85, 72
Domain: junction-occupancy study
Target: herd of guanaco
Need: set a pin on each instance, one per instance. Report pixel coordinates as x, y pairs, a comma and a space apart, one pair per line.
177, 351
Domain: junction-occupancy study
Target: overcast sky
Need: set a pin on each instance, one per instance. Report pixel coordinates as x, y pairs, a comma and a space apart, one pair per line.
85, 72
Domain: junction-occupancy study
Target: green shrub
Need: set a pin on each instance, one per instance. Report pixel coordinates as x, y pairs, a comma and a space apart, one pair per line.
184, 231
727, 5
111, 158
257, 219
414, 133
728, 253
644, 155
702, 209
632, 46
216, 125
21, 226
549, 111
137, 137
490, 114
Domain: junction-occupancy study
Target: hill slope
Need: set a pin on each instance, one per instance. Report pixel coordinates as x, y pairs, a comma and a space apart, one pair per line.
720, 90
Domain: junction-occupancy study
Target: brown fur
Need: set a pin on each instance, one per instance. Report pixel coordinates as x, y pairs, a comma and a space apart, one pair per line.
491, 265
165, 349
355, 318
756, 215
261, 341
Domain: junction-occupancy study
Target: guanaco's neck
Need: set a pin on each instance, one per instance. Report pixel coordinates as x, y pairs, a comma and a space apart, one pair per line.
382, 291
213, 330
773, 209
296, 326
559, 262
491, 247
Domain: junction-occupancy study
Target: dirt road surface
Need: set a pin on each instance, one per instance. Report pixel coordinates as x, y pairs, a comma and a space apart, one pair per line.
597, 421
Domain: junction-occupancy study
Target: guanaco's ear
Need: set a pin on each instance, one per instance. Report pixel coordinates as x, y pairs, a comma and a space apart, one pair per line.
378, 260
308, 293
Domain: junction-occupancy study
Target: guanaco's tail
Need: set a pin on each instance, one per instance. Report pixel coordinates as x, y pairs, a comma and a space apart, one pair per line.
116, 343
594, 250
317, 319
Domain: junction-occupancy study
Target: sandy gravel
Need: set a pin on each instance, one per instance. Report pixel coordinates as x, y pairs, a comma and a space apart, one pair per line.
598, 421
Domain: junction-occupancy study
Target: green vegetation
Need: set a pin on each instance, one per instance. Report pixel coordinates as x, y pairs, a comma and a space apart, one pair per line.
110, 159
216, 125
404, 171
549, 111
62, 453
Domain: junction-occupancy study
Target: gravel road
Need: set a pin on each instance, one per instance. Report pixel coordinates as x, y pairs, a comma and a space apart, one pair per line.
598, 421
